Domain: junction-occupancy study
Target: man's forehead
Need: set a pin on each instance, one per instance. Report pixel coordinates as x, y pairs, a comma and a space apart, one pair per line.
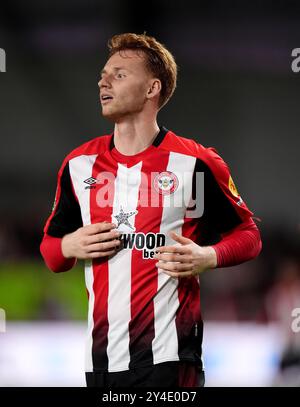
127, 57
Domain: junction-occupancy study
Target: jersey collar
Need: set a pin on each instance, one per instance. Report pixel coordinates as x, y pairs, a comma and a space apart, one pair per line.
156, 142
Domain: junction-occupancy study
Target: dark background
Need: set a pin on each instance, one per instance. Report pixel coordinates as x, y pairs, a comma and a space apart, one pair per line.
236, 91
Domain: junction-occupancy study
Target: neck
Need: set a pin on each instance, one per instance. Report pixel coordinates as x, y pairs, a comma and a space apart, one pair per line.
134, 136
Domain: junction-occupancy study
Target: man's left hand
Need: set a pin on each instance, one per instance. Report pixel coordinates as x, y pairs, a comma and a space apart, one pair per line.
185, 260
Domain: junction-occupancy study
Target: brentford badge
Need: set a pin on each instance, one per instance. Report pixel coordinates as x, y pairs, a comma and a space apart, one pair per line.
165, 183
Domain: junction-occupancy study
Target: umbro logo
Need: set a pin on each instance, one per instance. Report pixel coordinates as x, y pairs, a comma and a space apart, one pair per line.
90, 181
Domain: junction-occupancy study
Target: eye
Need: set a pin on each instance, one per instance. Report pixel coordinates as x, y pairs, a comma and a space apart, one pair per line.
120, 75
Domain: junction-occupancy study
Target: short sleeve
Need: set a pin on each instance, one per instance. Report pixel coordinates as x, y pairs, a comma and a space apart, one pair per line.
66, 215
224, 208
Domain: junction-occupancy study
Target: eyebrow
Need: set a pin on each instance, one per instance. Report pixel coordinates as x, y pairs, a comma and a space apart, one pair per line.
117, 68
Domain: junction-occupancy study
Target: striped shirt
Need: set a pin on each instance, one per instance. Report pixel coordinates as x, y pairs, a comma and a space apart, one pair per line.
138, 315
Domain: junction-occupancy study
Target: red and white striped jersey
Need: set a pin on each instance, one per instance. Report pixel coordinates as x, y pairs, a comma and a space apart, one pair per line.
137, 314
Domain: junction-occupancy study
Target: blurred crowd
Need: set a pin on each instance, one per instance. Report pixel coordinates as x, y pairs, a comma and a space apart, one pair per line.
265, 290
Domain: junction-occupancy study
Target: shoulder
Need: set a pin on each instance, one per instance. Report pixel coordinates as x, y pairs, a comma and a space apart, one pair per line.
188, 146
97, 145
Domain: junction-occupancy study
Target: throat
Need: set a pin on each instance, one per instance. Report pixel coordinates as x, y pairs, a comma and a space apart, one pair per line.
131, 150
130, 146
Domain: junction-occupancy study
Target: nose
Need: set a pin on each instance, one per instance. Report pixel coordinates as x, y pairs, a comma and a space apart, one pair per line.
103, 82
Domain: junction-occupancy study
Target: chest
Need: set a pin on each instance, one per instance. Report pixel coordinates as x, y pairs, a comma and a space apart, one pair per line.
139, 193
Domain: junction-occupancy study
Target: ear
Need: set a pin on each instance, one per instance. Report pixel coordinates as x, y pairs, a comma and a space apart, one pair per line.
154, 88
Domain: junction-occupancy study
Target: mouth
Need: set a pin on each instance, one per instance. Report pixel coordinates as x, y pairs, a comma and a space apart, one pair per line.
104, 99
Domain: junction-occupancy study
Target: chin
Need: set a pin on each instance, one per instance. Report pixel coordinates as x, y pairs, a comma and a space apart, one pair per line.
112, 116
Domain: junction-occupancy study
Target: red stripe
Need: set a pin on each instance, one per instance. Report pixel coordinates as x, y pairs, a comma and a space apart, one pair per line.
144, 272
189, 311
100, 266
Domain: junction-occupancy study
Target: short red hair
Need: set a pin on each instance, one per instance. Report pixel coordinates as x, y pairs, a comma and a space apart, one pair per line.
160, 62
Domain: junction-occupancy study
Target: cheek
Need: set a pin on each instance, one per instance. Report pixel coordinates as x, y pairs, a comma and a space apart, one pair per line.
135, 92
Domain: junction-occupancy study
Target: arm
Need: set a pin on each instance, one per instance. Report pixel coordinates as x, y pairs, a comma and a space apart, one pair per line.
241, 244
65, 218
227, 218
237, 246
226, 215
87, 242
65, 238
52, 254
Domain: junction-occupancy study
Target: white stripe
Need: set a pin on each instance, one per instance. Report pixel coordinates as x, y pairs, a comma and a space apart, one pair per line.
127, 185
166, 302
81, 169
89, 281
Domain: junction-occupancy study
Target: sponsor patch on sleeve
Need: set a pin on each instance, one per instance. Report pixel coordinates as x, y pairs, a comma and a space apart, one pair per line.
232, 188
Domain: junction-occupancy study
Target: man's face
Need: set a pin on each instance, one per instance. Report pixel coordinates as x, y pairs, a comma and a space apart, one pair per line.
124, 84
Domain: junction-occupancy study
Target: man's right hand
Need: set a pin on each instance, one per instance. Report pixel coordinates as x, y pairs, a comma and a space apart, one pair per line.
91, 241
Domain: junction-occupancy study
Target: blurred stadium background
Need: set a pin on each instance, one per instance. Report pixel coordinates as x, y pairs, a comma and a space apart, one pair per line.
236, 92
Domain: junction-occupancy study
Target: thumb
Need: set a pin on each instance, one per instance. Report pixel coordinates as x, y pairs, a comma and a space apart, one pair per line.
180, 239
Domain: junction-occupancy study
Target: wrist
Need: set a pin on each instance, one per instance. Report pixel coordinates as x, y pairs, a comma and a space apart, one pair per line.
212, 260
65, 247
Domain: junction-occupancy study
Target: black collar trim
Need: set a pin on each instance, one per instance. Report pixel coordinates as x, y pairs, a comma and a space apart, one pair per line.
157, 141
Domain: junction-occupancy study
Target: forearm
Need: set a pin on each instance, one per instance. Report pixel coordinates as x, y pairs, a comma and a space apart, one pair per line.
51, 251
239, 245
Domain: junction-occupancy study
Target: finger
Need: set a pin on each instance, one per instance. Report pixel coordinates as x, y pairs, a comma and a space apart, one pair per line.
183, 274
174, 249
104, 236
178, 238
103, 246
99, 227
175, 267
95, 255
182, 258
